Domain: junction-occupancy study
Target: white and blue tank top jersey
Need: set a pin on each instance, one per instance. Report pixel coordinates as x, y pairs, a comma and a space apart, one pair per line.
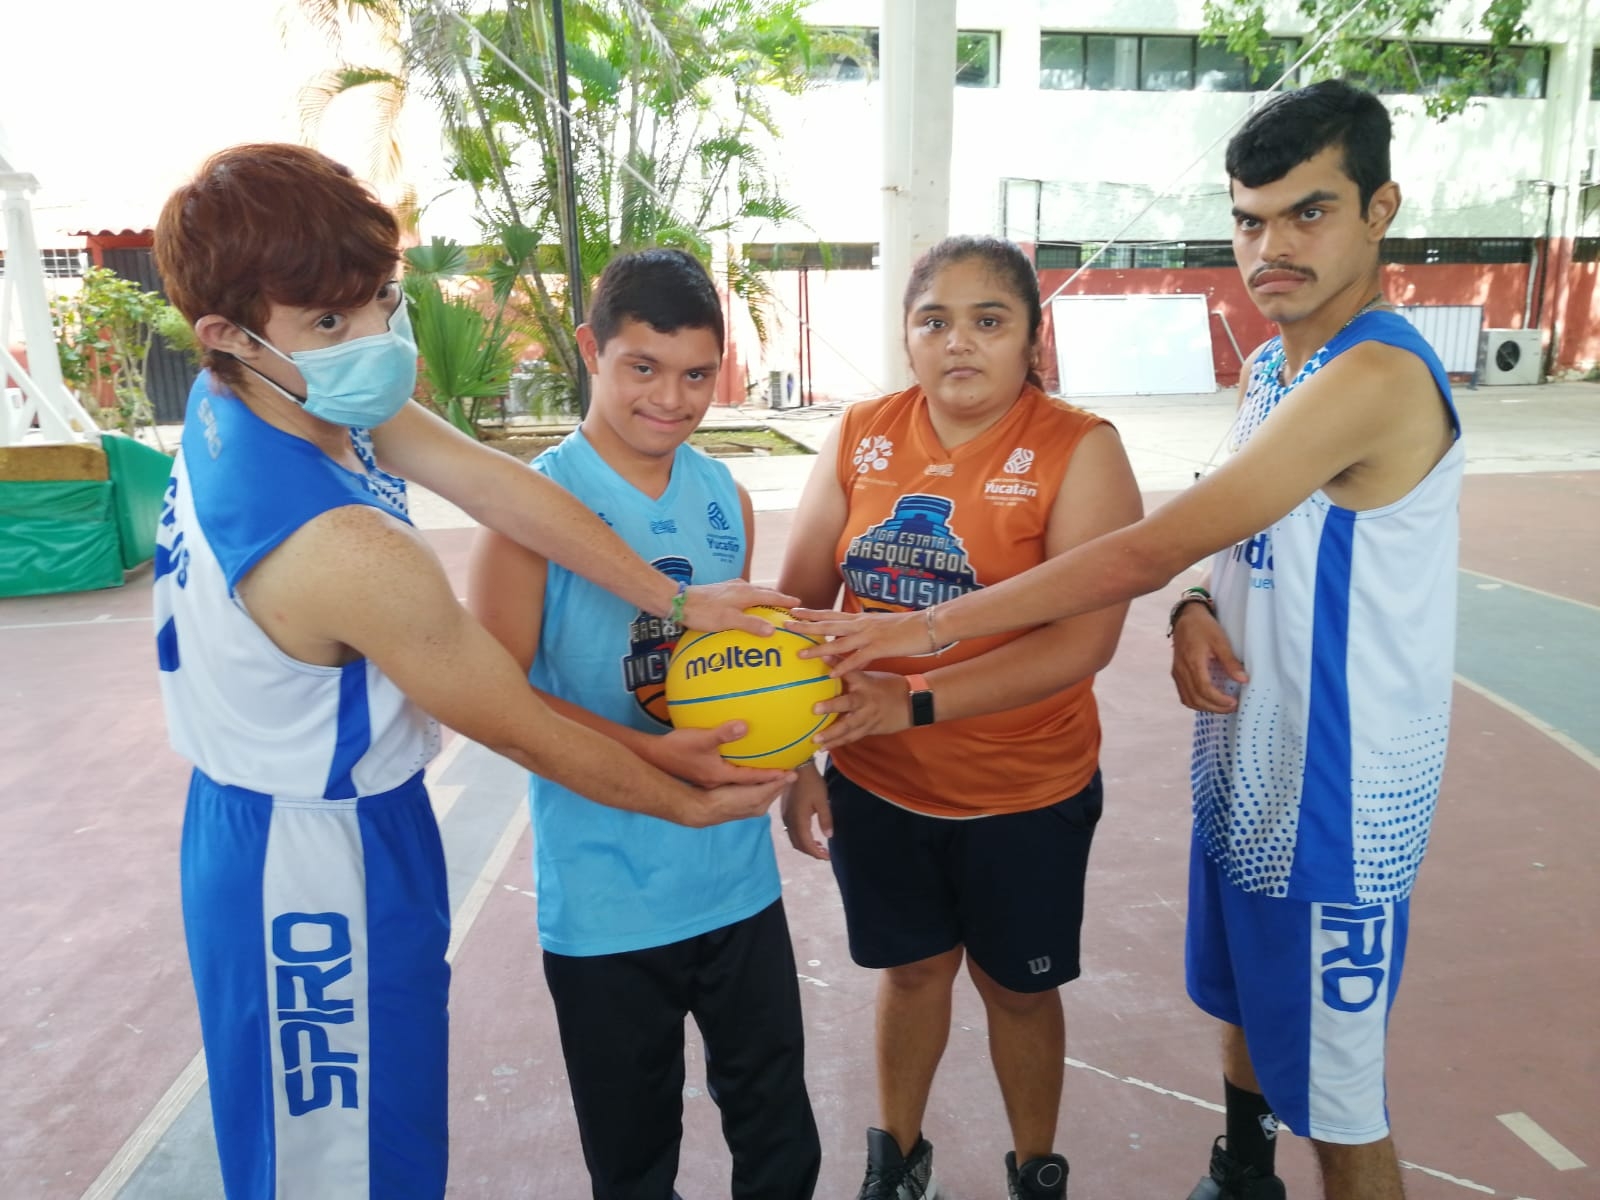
241, 710
607, 880
1322, 785
315, 904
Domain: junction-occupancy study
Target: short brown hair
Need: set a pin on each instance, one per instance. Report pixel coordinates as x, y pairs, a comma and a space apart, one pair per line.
266, 224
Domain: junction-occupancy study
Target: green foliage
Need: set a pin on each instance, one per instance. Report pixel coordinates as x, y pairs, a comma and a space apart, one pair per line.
669, 105
669, 102
466, 355
103, 336
1379, 46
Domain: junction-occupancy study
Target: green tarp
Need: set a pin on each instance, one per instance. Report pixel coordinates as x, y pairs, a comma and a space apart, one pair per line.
139, 483
57, 537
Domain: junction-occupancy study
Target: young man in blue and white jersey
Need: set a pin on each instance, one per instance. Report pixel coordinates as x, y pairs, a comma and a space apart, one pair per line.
1321, 667
644, 923
309, 641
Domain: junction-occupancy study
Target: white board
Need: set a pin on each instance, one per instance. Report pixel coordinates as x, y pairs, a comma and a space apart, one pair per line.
1133, 345
1453, 330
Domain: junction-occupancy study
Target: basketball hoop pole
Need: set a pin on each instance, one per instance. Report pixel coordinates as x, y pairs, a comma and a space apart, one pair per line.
45, 395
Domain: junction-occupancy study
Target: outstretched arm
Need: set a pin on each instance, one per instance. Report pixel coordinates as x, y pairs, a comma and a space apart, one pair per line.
355, 577
1327, 425
505, 591
499, 492
1098, 494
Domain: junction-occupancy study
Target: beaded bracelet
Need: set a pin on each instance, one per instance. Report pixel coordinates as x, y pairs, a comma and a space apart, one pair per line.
1190, 595
675, 614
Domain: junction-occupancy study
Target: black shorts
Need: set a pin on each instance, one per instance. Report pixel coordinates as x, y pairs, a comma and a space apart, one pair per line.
1009, 888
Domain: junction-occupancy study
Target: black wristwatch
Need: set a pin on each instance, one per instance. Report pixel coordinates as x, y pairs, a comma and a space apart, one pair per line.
921, 700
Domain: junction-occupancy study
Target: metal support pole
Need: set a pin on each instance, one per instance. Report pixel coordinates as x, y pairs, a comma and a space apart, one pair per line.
569, 192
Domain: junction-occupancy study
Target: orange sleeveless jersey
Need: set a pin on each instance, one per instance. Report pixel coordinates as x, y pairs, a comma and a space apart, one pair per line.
928, 524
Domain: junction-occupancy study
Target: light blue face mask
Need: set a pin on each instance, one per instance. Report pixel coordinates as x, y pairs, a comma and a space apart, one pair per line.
360, 383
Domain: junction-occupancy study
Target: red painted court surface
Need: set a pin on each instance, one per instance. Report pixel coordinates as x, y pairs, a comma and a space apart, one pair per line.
1495, 1067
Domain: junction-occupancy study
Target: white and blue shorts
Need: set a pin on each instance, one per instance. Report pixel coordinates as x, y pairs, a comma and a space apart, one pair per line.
317, 932
1311, 984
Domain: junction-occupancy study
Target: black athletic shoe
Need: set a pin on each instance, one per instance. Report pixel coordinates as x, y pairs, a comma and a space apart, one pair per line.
1043, 1178
893, 1177
1232, 1180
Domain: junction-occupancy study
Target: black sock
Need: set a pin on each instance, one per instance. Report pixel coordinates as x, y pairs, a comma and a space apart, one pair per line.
1252, 1129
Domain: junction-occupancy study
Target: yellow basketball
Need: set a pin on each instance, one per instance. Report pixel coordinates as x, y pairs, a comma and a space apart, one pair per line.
762, 681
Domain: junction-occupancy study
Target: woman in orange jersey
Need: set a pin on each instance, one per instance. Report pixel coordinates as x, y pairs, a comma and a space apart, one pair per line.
964, 786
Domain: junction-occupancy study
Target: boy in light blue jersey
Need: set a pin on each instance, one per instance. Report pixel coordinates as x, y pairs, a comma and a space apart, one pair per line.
643, 921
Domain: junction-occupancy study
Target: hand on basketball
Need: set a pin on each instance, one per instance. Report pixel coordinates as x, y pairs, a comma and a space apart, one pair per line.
807, 798
712, 607
735, 801
693, 755
860, 639
872, 702
1204, 667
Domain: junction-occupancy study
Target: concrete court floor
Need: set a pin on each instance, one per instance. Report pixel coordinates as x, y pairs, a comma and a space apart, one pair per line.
1495, 1073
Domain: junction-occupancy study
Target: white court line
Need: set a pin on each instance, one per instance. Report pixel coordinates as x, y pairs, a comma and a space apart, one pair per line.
1542, 1144
143, 1140
1522, 587
444, 759
1079, 1064
101, 620
472, 903
1550, 731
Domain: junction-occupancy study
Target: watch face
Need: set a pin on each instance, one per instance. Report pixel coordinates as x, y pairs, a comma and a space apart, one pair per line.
922, 708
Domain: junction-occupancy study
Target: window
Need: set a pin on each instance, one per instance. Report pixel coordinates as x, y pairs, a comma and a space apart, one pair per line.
1209, 254
849, 54
1515, 73
1594, 77
1432, 251
1111, 63
1586, 249
844, 54
1166, 64
1218, 70
57, 263
1133, 256
1122, 62
825, 256
1061, 61
977, 59
1057, 256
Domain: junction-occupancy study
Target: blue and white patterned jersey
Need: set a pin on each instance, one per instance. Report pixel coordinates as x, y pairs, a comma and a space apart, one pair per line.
1322, 785
245, 713
610, 881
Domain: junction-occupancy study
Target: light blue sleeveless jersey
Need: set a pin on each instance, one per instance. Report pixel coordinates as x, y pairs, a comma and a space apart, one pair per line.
1322, 785
610, 881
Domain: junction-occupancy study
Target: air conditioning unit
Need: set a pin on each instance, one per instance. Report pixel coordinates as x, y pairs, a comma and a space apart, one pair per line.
1509, 356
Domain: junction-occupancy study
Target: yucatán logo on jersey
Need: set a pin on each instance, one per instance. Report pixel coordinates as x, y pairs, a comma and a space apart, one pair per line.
911, 560
312, 961
724, 545
651, 640
1011, 488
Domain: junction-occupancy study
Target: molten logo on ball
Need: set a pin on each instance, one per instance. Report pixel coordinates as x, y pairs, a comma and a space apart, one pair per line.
762, 681
732, 658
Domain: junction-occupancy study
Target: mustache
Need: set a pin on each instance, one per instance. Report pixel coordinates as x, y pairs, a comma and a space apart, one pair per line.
1304, 272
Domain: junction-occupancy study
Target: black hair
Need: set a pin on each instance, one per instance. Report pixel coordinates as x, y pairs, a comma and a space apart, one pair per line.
666, 289
1297, 126
1003, 258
